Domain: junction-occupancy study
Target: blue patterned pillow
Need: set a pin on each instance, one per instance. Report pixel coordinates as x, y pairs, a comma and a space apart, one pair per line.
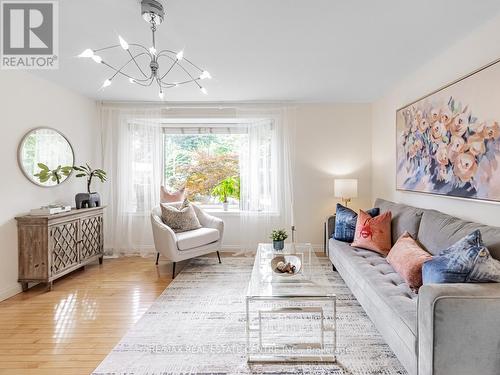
345, 222
467, 261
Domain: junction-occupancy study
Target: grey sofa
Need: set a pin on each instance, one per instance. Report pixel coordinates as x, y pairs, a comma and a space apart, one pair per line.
447, 329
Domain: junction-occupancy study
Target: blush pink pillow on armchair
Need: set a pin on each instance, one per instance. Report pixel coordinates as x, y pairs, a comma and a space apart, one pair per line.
166, 197
407, 258
373, 233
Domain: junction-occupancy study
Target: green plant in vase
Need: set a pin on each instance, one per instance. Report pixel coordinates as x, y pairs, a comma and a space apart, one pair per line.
279, 236
89, 199
227, 188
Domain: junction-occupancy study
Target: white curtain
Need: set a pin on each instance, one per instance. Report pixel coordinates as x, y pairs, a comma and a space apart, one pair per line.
132, 156
266, 173
131, 144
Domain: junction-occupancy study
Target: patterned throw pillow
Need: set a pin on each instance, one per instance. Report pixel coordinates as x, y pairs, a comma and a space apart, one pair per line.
467, 261
180, 219
373, 233
345, 222
407, 258
167, 197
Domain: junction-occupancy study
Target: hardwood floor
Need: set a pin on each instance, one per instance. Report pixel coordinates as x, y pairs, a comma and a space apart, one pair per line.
72, 328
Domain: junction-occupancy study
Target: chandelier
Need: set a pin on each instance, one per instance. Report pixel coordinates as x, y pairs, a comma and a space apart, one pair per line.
152, 73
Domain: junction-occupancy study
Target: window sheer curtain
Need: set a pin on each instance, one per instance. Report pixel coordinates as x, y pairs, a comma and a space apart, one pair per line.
131, 141
131, 145
266, 173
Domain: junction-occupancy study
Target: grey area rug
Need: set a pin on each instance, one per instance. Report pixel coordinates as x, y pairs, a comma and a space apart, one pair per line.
197, 326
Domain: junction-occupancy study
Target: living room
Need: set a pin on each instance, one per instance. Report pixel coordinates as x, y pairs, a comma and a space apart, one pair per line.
155, 163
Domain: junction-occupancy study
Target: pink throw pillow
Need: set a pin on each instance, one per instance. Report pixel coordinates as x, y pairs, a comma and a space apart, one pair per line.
166, 197
373, 233
407, 258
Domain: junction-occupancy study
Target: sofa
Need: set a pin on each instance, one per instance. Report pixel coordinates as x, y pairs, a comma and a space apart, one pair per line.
445, 329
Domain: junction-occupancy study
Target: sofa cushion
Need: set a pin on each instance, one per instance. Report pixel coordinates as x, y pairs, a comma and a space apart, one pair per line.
179, 219
373, 233
407, 257
389, 295
167, 197
404, 218
465, 261
195, 238
438, 231
345, 222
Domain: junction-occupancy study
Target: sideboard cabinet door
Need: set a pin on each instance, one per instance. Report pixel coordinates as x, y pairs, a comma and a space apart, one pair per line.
63, 245
91, 237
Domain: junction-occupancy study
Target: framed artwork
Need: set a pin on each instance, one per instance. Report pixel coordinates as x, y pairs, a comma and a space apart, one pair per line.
448, 142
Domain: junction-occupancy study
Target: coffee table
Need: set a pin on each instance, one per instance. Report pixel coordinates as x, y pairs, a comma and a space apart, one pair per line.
290, 318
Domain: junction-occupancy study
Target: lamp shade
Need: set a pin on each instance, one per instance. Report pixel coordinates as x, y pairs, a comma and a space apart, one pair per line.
346, 188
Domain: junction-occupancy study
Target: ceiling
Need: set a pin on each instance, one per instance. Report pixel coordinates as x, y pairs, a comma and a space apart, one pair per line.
269, 50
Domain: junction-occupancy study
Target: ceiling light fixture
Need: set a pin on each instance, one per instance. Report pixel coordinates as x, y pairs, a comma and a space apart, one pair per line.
176, 62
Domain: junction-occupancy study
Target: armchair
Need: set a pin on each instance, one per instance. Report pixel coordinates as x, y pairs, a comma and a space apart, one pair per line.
190, 244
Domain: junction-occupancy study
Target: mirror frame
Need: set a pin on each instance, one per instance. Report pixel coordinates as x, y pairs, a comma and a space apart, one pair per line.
19, 161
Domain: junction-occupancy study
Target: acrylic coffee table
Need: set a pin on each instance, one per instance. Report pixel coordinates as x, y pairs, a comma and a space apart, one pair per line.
290, 318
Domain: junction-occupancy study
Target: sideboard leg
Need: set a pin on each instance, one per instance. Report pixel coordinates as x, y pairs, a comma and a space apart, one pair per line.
49, 286
333, 267
24, 285
101, 259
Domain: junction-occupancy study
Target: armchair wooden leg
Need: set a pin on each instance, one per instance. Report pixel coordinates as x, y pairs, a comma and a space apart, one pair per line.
173, 271
157, 257
218, 256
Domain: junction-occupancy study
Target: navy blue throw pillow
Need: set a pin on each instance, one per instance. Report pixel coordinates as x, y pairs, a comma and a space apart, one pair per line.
345, 222
467, 261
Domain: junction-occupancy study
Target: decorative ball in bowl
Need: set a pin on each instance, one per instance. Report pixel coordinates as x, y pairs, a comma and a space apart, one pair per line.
286, 265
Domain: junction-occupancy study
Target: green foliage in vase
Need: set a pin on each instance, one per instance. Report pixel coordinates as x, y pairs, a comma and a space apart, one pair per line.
227, 188
279, 235
55, 175
89, 173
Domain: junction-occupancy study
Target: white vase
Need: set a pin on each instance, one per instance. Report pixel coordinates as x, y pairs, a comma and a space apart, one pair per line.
225, 205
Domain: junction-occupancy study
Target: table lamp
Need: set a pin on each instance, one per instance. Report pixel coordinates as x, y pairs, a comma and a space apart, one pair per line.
345, 189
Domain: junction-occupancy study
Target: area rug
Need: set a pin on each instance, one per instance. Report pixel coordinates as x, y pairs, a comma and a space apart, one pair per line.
197, 326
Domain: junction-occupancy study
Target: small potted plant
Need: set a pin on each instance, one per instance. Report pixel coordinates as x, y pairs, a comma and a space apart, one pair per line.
89, 199
279, 236
227, 188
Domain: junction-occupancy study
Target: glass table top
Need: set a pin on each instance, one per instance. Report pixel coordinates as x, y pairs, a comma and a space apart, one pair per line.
310, 281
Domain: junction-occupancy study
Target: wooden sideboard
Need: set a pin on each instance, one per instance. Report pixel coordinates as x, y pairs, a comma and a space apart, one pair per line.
53, 245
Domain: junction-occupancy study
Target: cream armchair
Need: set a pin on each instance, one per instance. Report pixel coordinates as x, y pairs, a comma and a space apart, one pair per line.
190, 244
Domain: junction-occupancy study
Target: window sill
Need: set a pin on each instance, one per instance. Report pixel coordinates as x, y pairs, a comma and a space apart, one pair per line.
220, 211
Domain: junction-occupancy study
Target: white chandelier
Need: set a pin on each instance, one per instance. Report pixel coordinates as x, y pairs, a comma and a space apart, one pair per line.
153, 13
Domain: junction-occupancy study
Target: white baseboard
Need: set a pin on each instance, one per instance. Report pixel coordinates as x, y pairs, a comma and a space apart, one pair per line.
10, 291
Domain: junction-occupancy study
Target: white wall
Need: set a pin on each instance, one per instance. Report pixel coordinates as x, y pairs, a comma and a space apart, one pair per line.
27, 102
477, 49
331, 140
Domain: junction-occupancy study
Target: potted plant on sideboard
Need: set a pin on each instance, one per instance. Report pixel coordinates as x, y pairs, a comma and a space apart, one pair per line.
227, 188
89, 199
279, 236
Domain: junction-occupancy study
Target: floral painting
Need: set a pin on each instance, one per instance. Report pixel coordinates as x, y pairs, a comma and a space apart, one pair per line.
447, 146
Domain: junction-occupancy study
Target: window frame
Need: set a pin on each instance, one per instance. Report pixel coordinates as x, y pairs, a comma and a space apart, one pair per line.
237, 127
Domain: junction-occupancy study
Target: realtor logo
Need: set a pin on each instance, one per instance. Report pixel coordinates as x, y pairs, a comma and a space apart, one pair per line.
29, 35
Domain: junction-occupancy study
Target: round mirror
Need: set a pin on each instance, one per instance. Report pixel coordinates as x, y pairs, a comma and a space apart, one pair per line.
46, 157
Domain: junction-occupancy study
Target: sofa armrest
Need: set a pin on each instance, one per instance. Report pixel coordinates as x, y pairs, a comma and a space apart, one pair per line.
459, 329
330, 226
209, 221
164, 238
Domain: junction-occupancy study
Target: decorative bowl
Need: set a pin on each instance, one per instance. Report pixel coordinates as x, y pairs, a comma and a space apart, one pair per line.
292, 259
